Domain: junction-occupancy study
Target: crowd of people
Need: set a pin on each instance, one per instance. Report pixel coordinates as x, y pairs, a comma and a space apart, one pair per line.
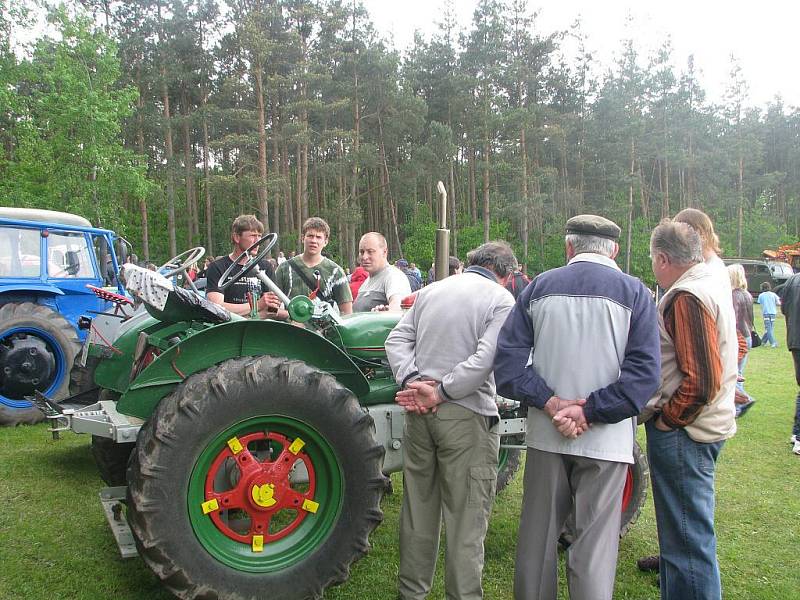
589, 353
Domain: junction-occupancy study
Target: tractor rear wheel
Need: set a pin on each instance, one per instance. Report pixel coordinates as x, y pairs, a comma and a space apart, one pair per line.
272, 479
635, 491
37, 350
508, 462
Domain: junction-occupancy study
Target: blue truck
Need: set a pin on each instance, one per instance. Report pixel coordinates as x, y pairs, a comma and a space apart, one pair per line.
52, 265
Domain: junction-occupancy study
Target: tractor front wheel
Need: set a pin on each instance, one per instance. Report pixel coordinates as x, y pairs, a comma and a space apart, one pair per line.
258, 477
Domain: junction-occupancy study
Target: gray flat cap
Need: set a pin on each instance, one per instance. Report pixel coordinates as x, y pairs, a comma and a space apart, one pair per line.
593, 225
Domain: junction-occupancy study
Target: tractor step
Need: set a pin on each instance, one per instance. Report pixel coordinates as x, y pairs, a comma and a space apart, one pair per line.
113, 499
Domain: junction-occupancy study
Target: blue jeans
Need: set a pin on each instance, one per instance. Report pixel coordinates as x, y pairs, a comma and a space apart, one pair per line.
769, 336
682, 472
796, 426
749, 340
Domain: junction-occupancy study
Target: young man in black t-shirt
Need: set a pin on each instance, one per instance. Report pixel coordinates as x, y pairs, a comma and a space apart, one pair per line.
245, 231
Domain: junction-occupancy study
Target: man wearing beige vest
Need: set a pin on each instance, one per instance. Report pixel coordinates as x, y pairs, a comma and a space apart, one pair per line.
693, 413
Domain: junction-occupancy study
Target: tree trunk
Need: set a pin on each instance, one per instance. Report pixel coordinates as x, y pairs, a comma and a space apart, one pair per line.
168, 154
690, 174
192, 224
392, 209
261, 189
629, 233
741, 206
276, 167
140, 149
486, 175
287, 190
452, 199
524, 197
209, 209
473, 191
299, 190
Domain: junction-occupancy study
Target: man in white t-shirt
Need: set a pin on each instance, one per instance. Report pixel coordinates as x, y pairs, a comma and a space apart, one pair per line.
386, 285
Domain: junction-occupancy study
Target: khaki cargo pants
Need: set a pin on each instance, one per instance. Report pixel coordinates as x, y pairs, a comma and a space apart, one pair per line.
450, 471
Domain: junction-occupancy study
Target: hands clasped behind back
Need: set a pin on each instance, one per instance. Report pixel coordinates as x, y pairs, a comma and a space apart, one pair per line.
419, 397
567, 416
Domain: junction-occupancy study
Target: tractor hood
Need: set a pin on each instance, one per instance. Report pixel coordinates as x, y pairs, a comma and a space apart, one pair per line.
364, 334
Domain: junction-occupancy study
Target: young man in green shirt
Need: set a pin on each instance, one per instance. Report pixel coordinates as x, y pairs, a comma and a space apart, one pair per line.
311, 274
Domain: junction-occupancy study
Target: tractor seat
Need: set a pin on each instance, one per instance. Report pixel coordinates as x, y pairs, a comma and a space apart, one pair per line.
167, 302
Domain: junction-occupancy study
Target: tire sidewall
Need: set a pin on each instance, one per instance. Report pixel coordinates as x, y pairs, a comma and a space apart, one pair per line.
43, 319
187, 421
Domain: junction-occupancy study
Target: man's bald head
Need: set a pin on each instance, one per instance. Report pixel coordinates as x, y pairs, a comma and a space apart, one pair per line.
373, 252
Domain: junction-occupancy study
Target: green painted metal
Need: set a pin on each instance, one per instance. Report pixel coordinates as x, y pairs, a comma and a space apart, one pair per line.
502, 459
301, 309
381, 391
363, 334
313, 530
201, 350
114, 372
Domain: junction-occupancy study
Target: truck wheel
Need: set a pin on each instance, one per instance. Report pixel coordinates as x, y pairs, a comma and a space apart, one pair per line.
37, 350
635, 491
508, 463
258, 477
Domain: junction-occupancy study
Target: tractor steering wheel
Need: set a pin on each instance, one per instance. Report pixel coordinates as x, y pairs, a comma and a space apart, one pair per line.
182, 262
226, 281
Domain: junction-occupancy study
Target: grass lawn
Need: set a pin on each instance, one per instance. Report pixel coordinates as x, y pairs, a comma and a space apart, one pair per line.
54, 541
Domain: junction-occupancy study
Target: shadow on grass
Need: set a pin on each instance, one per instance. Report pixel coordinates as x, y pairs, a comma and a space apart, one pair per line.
70, 461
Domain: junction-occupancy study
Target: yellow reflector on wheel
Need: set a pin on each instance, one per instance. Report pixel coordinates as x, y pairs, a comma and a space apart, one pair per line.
310, 506
235, 445
210, 506
296, 446
258, 543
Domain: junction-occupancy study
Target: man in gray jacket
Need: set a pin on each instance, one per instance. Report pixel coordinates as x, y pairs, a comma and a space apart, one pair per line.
441, 353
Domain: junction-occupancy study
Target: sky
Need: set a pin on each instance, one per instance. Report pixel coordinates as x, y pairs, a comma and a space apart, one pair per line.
761, 35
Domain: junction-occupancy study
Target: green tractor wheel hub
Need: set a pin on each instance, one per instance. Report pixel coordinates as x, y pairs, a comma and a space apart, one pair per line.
244, 506
301, 308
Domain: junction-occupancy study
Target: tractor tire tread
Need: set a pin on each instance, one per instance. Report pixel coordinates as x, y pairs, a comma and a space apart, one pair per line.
164, 436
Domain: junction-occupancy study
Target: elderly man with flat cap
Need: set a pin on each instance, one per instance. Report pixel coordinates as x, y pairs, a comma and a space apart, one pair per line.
581, 350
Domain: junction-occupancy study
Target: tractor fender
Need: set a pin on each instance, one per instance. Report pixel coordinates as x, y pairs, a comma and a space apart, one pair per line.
220, 343
31, 289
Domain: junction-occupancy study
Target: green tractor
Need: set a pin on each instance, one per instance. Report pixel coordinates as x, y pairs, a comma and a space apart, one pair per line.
255, 453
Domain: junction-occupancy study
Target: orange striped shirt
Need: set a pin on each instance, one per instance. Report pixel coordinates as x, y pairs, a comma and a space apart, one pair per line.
694, 332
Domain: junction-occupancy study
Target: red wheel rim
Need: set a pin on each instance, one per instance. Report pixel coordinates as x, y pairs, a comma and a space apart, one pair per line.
255, 495
627, 491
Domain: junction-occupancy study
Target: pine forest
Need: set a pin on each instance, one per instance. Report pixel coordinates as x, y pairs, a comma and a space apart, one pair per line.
164, 119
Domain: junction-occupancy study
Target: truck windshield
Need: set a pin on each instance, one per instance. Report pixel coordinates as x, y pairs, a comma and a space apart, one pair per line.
69, 255
19, 252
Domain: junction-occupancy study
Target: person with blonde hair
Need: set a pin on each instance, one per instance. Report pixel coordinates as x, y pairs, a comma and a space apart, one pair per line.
743, 307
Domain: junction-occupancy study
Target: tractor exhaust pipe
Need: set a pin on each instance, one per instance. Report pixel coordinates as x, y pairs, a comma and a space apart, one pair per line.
442, 262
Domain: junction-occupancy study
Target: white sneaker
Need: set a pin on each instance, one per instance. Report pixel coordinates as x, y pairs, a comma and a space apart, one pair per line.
796, 448
793, 439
